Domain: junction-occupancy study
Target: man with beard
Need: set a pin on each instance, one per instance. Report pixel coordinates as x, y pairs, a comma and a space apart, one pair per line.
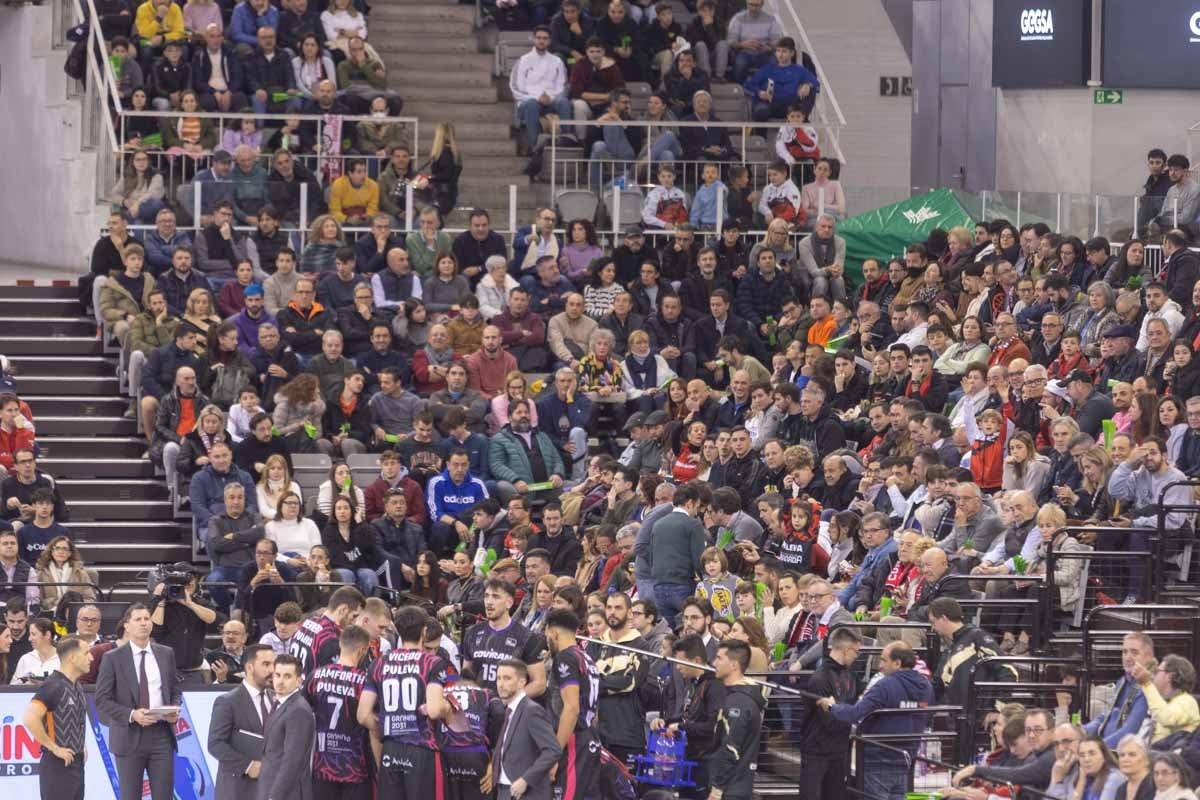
499, 638
574, 683
698, 287
624, 677
520, 456
630, 256
703, 703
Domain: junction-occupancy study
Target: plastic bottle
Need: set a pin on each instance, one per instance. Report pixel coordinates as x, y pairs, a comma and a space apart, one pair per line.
981, 756
771, 330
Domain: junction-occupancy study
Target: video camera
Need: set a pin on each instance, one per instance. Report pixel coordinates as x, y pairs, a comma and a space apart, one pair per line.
174, 578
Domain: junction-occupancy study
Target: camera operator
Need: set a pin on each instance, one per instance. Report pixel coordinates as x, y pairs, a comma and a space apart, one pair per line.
181, 620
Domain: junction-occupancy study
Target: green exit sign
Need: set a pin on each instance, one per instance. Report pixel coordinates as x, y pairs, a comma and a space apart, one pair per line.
1108, 97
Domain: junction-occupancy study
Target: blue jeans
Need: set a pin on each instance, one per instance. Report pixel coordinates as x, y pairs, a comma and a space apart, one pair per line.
1137, 542
366, 579
666, 148
221, 596
745, 62
884, 782
531, 111
669, 598
147, 210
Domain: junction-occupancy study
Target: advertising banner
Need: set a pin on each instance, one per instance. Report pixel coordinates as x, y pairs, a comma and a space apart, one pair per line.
1151, 45
1040, 43
20, 754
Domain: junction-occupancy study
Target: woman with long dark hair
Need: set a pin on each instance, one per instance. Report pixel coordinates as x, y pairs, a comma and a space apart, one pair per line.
353, 546
140, 190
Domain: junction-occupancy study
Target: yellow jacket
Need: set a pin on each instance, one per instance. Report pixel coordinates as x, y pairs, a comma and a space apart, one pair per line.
1180, 713
344, 196
148, 24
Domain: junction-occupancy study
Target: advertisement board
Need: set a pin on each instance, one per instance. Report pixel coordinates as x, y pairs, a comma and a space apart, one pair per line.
1040, 43
195, 769
1151, 44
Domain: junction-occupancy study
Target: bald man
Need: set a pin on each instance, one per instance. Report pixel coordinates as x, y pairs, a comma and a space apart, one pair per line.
935, 570
488, 366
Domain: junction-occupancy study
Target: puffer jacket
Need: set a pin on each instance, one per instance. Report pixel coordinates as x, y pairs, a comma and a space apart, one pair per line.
147, 334
508, 460
758, 299
116, 302
226, 381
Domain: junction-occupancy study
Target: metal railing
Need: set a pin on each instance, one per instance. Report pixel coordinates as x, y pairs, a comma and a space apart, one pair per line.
98, 91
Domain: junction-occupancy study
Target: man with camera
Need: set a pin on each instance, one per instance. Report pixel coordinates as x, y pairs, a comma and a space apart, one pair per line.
181, 619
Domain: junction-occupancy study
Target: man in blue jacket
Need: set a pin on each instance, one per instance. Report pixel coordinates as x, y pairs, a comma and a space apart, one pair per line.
207, 490
250, 16
877, 538
775, 87
448, 496
886, 773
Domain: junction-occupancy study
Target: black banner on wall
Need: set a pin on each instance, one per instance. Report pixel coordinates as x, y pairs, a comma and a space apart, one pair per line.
1040, 43
1151, 44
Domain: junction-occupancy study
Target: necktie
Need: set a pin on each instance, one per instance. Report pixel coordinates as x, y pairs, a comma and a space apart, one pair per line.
503, 738
143, 684
264, 707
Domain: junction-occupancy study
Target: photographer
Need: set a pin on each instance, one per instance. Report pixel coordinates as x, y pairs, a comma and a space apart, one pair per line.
181, 619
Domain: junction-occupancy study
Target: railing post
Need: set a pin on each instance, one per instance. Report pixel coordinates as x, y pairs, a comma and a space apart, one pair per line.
553, 156
1058, 211
983, 212
1175, 212
1135, 216
303, 209
721, 192
198, 208
1096, 228
820, 202
1018, 210
616, 212
408, 207
512, 209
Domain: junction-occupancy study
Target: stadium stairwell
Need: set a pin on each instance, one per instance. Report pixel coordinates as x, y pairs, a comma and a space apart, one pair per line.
119, 511
435, 61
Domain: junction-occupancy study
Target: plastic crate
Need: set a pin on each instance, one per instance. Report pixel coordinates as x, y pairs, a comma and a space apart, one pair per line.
664, 764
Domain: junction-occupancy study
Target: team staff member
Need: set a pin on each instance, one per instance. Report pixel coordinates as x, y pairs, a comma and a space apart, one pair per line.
339, 760
739, 728
290, 733
135, 678
408, 683
57, 718
574, 694
241, 711
499, 638
700, 715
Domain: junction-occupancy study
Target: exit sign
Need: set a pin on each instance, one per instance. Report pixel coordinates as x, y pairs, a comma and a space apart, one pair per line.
1108, 97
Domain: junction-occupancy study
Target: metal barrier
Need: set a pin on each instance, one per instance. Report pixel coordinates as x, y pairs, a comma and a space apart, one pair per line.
1032, 604
925, 753
1185, 535
24, 586
1103, 569
1173, 629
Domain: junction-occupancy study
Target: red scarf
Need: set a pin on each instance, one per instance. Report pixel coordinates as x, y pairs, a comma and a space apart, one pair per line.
908, 391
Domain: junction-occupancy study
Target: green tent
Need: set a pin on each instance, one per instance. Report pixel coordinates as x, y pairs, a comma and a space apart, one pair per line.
886, 231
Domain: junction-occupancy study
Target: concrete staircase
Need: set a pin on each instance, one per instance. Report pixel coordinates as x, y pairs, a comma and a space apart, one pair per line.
876, 140
119, 510
437, 63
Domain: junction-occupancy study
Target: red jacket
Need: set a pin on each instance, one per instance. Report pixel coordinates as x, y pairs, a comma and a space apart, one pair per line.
424, 383
414, 497
12, 441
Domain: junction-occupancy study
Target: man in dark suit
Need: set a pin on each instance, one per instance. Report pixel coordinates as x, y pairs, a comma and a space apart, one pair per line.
235, 736
134, 679
527, 746
290, 732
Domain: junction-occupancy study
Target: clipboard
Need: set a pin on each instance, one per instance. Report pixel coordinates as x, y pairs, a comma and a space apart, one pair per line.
249, 743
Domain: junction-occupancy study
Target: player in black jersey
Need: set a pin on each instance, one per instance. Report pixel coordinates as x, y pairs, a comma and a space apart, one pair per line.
340, 755
57, 718
574, 693
465, 736
407, 686
499, 638
315, 642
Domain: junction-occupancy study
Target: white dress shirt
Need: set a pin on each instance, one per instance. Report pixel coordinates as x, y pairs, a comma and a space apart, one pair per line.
153, 676
506, 735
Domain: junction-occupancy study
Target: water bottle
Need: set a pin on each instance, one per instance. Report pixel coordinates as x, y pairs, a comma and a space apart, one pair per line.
933, 751
619, 182
981, 756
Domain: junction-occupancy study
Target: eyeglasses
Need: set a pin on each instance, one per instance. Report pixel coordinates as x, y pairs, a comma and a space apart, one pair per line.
1036, 731
873, 530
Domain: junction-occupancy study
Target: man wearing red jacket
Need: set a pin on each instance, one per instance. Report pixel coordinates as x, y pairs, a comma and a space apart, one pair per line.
12, 438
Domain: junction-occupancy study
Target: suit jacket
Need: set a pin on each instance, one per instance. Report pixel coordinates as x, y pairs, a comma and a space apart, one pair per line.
529, 748
232, 712
117, 695
287, 755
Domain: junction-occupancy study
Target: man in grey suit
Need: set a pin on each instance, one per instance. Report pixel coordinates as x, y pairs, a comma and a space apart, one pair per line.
527, 747
239, 717
291, 731
135, 678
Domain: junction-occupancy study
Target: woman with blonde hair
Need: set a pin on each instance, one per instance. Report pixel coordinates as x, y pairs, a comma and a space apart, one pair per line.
516, 387
276, 481
58, 566
750, 631
341, 23
324, 240
444, 168
777, 238
1092, 500
294, 534
543, 596
299, 409
194, 449
199, 312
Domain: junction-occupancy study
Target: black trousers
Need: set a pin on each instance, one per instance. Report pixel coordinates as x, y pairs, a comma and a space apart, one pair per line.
57, 781
156, 756
331, 790
822, 778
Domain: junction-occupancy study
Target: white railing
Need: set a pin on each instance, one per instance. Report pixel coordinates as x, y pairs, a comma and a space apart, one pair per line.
1115, 217
827, 110
99, 93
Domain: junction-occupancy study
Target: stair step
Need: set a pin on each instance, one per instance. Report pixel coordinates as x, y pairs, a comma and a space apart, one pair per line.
65, 366
399, 63
47, 326
40, 293
142, 532
143, 553
471, 182
100, 426
111, 575
87, 385
436, 37
122, 510
416, 15
408, 4
111, 467
462, 79
483, 95
486, 148
92, 446
61, 345
11, 305
81, 406
82, 490
495, 165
